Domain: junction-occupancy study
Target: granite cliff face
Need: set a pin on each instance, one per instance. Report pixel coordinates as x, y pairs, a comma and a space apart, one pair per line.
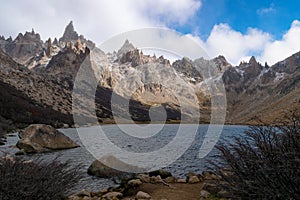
23, 47
37, 80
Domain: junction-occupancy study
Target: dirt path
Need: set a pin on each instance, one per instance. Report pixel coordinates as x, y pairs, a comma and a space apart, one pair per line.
177, 191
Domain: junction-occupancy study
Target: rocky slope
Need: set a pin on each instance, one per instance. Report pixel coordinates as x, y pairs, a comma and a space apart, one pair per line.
37, 80
23, 47
262, 92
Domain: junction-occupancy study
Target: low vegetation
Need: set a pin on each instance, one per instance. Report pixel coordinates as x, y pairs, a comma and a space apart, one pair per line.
39, 180
265, 164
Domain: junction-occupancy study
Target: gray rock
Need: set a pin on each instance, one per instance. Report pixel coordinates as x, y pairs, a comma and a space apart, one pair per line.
135, 183
155, 179
163, 173
38, 138
194, 179
224, 194
170, 179
181, 180
208, 175
142, 195
84, 193
107, 167
73, 197
204, 193
144, 178
211, 187
97, 168
112, 195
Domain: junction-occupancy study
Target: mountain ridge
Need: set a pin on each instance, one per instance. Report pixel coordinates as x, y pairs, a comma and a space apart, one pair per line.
252, 90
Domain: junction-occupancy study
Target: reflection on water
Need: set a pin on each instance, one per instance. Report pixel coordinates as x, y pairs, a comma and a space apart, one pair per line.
189, 161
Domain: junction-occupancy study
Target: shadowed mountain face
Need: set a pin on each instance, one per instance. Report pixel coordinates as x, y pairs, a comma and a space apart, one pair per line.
37, 80
256, 91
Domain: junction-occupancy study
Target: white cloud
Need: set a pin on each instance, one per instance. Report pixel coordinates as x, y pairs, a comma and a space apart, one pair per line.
100, 20
234, 45
278, 50
263, 11
170, 11
96, 19
163, 41
237, 47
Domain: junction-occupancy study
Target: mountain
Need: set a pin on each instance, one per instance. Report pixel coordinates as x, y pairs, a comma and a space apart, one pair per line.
23, 47
70, 35
265, 92
37, 80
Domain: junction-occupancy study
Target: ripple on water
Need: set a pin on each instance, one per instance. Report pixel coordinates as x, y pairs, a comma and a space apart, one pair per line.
189, 161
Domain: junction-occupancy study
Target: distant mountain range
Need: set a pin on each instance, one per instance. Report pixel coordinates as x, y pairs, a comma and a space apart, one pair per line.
37, 80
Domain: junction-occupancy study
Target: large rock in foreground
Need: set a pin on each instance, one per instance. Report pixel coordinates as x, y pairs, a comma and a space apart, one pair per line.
106, 167
39, 138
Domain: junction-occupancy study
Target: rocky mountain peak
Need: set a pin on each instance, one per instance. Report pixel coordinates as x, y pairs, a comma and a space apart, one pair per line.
9, 39
221, 63
55, 42
19, 37
69, 34
289, 65
23, 47
126, 47
49, 49
185, 67
252, 61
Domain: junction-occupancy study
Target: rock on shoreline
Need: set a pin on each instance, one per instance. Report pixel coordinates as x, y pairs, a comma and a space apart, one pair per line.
38, 138
144, 186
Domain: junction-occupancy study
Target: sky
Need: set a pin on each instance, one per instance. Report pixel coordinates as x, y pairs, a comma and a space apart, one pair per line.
237, 29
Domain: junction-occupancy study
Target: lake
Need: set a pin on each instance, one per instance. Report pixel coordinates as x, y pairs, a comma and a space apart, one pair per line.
184, 152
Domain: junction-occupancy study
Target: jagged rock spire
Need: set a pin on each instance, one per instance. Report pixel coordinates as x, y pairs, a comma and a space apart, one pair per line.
127, 46
69, 34
252, 60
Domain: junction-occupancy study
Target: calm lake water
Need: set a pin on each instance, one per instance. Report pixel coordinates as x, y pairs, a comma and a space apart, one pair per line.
189, 161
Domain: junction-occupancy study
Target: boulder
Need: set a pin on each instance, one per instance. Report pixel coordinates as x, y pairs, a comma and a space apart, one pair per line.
135, 183
107, 167
211, 187
142, 195
224, 194
97, 168
170, 179
144, 178
162, 173
209, 175
156, 179
73, 197
112, 195
181, 180
204, 193
194, 179
84, 193
39, 138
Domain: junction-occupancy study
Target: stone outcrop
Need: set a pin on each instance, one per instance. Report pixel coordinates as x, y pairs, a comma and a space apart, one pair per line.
39, 138
69, 34
110, 166
97, 168
23, 47
49, 50
142, 195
